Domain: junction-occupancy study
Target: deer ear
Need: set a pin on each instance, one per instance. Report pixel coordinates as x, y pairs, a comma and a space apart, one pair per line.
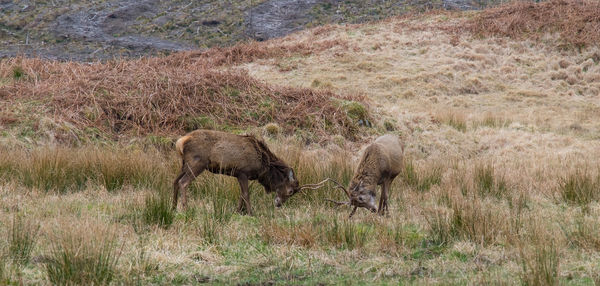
291, 175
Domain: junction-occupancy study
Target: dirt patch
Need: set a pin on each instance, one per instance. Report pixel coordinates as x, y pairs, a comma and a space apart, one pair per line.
274, 19
110, 28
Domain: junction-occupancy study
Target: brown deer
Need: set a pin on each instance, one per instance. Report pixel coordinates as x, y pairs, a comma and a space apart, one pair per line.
242, 156
381, 162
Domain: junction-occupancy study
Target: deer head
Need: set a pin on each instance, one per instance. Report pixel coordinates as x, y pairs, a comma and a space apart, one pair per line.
363, 196
286, 188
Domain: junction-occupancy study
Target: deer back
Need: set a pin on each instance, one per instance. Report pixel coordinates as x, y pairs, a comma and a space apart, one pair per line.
392, 152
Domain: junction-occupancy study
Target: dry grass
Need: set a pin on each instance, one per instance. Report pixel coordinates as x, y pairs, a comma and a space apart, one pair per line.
22, 237
79, 257
580, 187
175, 94
426, 229
63, 169
496, 131
577, 21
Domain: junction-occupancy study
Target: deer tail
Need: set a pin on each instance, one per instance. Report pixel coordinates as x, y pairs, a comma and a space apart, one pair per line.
180, 143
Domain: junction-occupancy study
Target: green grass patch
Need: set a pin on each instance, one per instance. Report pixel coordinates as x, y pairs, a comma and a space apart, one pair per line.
157, 210
18, 72
345, 234
191, 123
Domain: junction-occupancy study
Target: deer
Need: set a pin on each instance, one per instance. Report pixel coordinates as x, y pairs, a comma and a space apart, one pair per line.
380, 163
244, 157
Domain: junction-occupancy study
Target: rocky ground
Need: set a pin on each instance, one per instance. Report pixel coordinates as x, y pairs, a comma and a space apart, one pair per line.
90, 30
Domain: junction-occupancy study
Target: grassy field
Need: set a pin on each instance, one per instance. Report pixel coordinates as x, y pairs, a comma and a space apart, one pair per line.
501, 184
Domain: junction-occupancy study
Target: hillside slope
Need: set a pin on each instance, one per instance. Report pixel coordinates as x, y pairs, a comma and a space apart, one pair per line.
90, 30
453, 93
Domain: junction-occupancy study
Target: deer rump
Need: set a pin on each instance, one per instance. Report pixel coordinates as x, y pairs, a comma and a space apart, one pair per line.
242, 156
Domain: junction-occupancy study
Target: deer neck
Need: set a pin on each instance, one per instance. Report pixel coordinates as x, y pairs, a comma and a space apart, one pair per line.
265, 180
366, 178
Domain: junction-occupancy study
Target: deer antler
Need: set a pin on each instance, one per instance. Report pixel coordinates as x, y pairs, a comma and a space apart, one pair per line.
340, 186
347, 203
320, 184
314, 186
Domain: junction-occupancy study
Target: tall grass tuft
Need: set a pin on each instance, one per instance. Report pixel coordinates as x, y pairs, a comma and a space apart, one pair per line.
345, 234
421, 182
540, 265
157, 210
488, 183
4, 275
585, 233
115, 169
83, 258
479, 221
140, 264
458, 123
327, 232
22, 238
222, 208
210, 229
52, 169
398, 235
492, 121
579, 188
63, 170
453, 119
441, 231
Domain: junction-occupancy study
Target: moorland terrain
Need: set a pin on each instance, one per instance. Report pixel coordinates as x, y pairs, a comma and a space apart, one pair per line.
497, 108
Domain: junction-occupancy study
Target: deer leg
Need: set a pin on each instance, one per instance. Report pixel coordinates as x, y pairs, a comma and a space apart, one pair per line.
380, 202
188, 174
387, 196
176, 190
244, 204
241, 206
384, 197
180, 186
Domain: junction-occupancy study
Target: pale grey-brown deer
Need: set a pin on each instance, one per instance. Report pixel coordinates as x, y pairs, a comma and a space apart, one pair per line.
380, 163
242, 156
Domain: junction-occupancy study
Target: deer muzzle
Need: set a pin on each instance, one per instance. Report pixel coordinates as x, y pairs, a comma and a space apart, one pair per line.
278, 202
371, 206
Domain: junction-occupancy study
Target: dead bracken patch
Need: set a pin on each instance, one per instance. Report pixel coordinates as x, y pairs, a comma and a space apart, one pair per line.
174, 94
250, 51
577, 21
